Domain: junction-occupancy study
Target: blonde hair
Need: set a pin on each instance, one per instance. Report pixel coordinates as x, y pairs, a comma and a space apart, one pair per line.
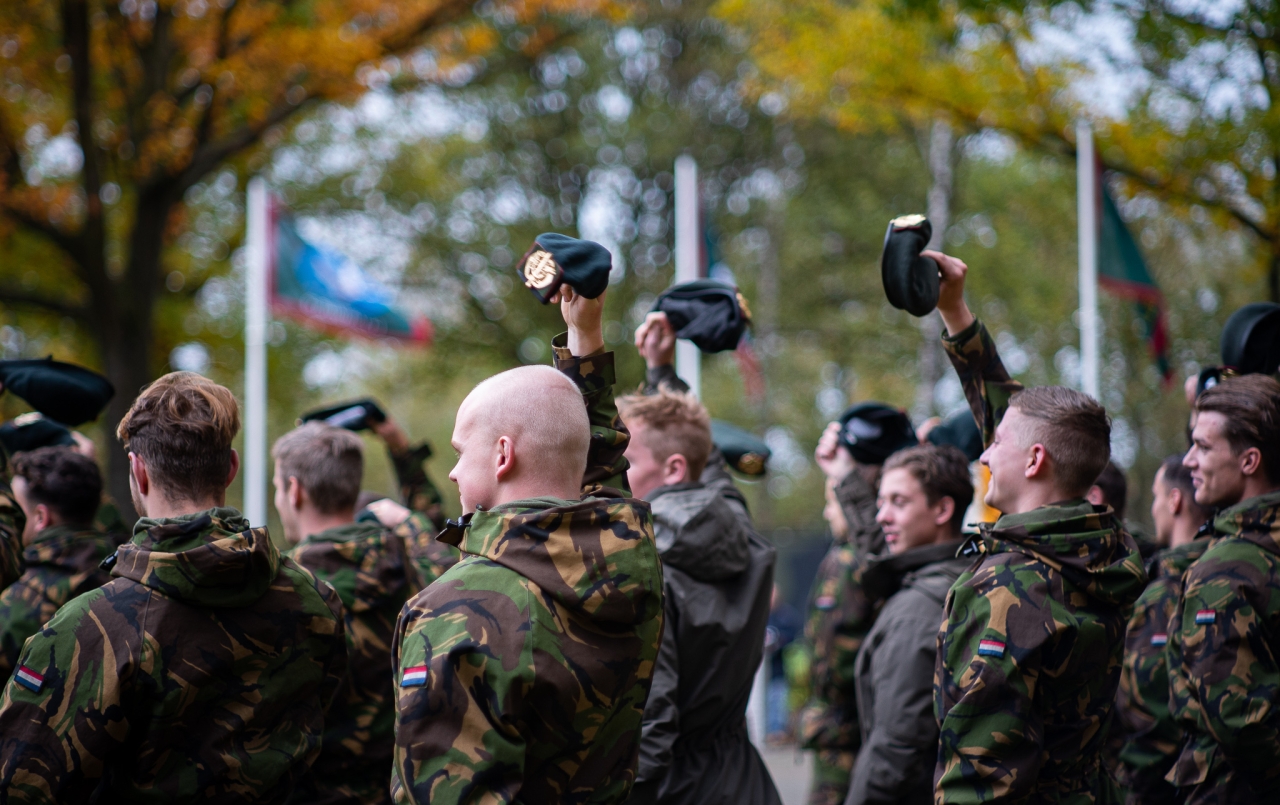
674, 423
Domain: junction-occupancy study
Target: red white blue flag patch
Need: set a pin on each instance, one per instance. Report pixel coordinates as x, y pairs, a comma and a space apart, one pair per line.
1206, 616
414, 677
825, 602
991, 648
29, 679
1159, 639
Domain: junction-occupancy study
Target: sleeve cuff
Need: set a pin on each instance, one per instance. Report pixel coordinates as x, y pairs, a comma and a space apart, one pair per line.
965, 335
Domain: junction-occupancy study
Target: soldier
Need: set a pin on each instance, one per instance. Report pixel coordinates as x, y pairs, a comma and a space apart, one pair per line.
850, 453
59, 490
1029, 654
924, 493
1151, 737
202, 670
522, 672
372, 567
718, 579
1223, 640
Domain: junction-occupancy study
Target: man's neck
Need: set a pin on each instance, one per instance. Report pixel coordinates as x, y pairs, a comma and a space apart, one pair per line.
1257, 485
1034, 497
312, 522
164, 509
1184, 532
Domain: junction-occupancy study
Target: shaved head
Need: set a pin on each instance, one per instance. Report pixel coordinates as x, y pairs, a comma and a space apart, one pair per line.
524, 429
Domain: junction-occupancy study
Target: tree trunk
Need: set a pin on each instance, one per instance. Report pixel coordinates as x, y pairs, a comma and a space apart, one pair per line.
930, 360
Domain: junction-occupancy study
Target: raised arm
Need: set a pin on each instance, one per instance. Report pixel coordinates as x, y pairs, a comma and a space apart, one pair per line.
987, 384
410, 465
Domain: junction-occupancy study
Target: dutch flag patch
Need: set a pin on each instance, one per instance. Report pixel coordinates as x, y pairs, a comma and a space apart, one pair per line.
990, 648
1158, 639
29, 679
414, 677
1206, 616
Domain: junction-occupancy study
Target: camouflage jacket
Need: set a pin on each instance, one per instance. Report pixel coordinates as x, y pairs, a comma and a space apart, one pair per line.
373, 573
1151, 737
200, 673
1224, 659
12, 522
840, 615
61, 563
416, 490
1029, 653
522, 672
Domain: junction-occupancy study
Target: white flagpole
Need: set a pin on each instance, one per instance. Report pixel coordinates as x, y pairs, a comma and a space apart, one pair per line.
1087, 207
688, 357
254, 460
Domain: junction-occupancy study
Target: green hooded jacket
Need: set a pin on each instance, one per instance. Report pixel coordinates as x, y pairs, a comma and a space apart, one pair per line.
200, 673
1224, 660
522, 672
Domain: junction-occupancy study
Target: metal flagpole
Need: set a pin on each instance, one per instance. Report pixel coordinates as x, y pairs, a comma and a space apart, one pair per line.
1087, 208
254, 461
688, 358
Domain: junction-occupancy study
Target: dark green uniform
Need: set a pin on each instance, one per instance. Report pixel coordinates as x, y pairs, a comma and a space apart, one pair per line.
416, 490
1224, 661
1029, 654
12, 522
840, 616
374, 571
1151, 738
522, 672
61, 563
200, 673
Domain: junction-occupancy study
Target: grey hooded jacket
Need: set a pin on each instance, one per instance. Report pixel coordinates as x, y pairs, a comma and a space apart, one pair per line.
893, 676
718, 578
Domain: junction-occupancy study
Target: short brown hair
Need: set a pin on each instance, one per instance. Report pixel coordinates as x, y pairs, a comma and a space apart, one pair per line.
327, 461
62, 479
1074, 429
1178, 476
677, 423
182, 426
1251, 406
1114, 486
943, 472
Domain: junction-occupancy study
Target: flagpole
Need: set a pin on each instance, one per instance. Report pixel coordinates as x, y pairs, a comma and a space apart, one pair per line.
254, 461
1087, 209
688, 358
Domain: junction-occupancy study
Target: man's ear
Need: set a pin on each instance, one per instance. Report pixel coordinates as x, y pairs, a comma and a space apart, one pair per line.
235, 467
1176, 503
675, 470
1037, 462
42, 517
946, 509
504, 457
1251, 461
138, 472
293, 493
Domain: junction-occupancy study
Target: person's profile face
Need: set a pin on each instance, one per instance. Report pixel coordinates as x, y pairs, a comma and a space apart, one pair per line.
1215, 467
645, 473
904, 512
1007, 460
23, 498
475, 472
288, 515
1161, 510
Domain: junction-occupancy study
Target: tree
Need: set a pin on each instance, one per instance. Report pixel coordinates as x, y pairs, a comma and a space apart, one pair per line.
111, 112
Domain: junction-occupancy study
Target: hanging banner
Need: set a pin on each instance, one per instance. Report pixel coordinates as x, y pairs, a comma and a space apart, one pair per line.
325, 289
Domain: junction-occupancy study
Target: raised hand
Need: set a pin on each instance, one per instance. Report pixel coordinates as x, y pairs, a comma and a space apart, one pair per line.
656, 340
583, 316
833, 458
951, 305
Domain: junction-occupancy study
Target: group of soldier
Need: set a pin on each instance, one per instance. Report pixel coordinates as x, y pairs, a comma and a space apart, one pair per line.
589, 629
1072, 664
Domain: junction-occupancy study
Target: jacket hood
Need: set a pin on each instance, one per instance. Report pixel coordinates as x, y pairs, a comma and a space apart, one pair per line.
1256, 519
67, 549
698, 531
1082, 541
596, 556
1173, 562
212, 558
375, 554
885, 574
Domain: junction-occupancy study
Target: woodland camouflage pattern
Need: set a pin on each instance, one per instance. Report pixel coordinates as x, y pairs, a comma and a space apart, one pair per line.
374, 573
12, 522
61, 563
539, 646
1151, 736
1046, 602
1224, 644
416, 489
840, 615
201, 672
428, 555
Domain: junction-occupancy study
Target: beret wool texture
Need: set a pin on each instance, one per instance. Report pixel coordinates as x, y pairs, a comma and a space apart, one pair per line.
910, 281
743, 450
64, 392
961, 432
710, 313
31, 432
1251, 339
554, 260
353, 415
874, 431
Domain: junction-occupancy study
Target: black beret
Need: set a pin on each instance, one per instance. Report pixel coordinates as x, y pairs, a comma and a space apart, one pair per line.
743, 450
556, 259
710, 313
910, 281
960, 431
1251, 339
63, 392
874, 431
32, 431
353, 415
